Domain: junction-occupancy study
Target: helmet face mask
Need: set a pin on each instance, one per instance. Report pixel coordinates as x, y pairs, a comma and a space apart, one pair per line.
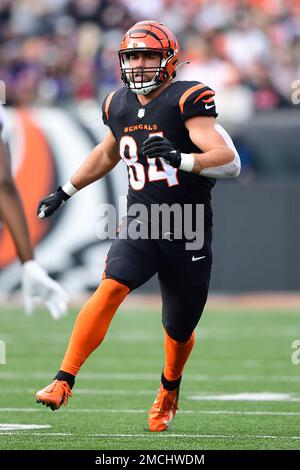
148, 37
141, 80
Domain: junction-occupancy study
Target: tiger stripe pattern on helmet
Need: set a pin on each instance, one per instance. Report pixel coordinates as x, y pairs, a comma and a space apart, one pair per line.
149, 36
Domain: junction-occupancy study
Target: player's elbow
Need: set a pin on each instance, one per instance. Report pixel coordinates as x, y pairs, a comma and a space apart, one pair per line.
237, 165
234, 167
237, 170
233, 171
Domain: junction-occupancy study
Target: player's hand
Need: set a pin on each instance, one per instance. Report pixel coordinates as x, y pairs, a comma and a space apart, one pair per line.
51, 203
37, 285
157, 146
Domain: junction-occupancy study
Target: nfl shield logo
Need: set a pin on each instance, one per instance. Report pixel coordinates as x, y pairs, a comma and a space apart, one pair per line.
141, 113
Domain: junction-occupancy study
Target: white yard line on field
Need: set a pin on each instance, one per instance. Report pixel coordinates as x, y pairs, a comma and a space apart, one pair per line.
39, 409
81, 391
128, 376
188, 395
7, 433
247, 396
153, 435
19, 427
196, 436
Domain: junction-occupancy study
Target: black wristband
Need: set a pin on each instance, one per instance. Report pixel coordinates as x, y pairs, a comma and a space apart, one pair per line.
65, 196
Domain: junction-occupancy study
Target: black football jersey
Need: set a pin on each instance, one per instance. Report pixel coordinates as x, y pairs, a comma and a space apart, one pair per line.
154, 181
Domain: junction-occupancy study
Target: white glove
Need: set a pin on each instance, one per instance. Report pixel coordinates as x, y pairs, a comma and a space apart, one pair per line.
36, 284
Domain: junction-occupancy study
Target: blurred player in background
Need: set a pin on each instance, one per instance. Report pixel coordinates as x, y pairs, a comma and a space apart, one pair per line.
36, 284
166, 133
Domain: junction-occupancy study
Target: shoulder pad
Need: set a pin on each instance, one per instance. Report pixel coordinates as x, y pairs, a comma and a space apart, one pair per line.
196, 99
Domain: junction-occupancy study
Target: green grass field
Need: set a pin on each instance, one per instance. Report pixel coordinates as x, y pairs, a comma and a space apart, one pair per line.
237, 352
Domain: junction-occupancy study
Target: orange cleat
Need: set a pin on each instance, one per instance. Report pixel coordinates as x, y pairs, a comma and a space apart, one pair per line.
163, 410
54, 395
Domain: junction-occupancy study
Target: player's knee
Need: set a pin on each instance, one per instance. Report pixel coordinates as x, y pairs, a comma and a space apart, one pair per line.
114, 287
122, 271
179, 333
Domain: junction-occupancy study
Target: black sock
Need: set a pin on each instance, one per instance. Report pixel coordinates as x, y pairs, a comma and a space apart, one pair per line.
69, 378
170, 385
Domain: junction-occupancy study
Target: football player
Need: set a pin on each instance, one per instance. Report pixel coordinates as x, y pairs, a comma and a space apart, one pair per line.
36, 284
167, 134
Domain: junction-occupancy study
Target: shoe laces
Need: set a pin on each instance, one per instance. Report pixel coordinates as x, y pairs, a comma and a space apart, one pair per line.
56, 383
167, 403
68, 392
52, 387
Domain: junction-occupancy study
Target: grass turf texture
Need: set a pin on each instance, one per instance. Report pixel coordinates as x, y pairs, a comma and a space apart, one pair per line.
236, 352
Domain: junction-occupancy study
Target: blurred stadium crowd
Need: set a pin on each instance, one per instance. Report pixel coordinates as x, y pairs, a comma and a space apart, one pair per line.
55, 51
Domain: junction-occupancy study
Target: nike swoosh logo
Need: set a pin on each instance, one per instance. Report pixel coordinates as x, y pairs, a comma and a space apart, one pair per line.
196, 259
168, 422
208, 107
